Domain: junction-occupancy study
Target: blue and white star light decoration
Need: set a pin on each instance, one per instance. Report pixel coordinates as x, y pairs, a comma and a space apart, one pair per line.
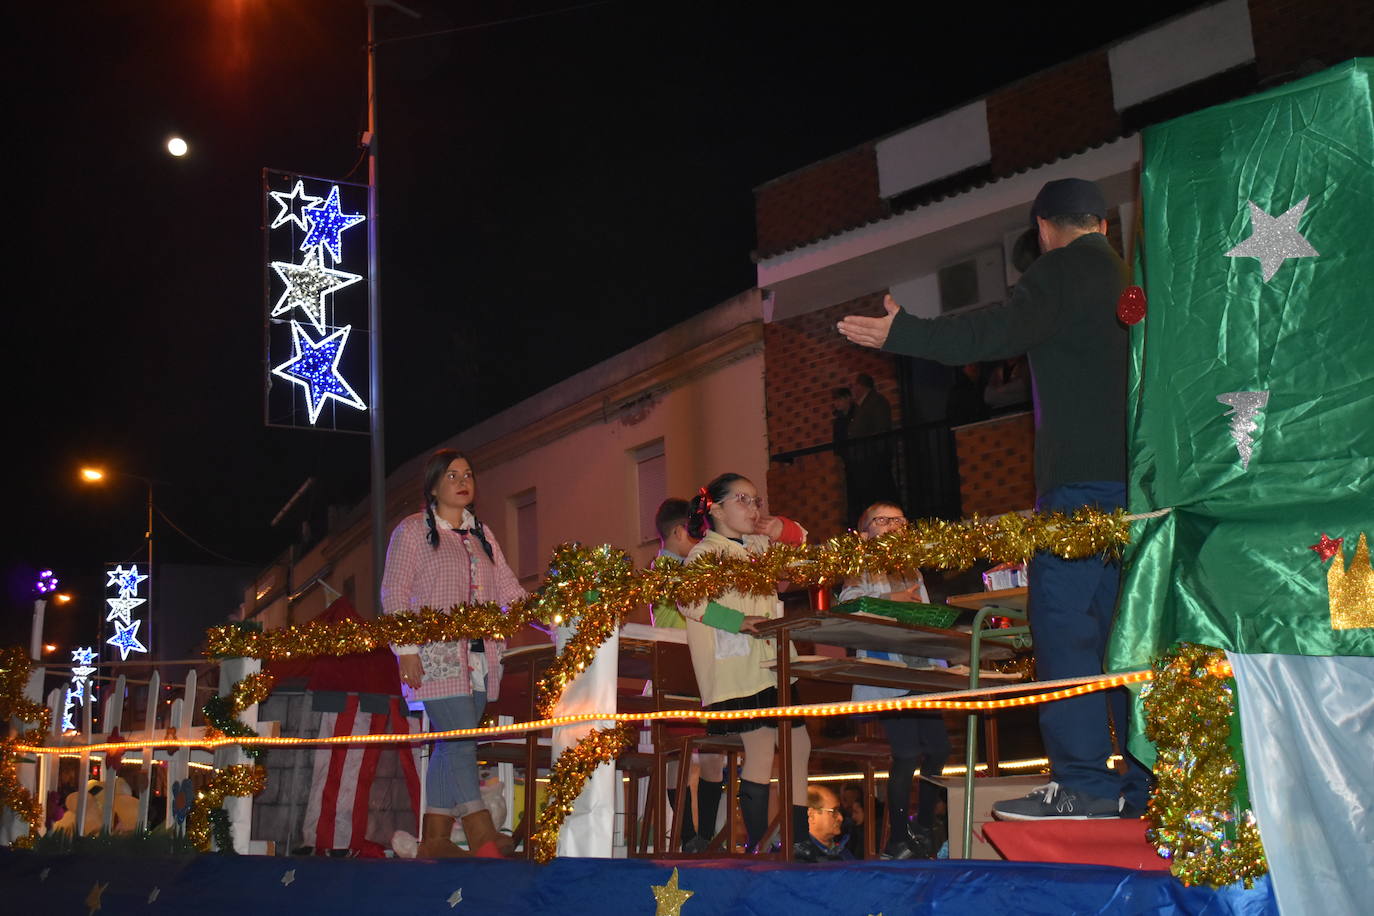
82, 669
129, 594
315, 367
309, 287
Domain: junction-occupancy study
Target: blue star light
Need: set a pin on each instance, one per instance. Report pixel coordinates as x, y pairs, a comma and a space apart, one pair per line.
287, 213
315, 367
126, 639
327, 224
83, 656
307, 284
126, 580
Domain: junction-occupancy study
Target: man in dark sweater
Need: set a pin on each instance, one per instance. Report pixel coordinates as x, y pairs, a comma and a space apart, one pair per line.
1062, 314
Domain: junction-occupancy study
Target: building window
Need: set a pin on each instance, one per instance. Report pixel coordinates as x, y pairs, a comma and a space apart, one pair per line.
651, 482
527, 558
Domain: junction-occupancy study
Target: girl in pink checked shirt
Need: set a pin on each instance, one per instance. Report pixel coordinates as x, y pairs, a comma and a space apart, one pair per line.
437, 559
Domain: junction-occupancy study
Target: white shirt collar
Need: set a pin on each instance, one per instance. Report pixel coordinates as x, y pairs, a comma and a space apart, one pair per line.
468, 520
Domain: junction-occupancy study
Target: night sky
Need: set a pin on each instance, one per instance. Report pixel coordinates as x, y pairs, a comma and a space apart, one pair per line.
555, 189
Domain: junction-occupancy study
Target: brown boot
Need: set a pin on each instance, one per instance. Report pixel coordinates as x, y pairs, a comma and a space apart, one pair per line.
436, 841
483, 838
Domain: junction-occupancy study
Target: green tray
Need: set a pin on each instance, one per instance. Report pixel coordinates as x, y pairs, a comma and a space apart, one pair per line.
939, 616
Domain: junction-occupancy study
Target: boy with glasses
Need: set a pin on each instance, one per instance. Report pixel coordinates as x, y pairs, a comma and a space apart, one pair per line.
916, 738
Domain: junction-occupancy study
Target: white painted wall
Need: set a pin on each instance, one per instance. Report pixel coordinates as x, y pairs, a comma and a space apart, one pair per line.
934, 149
1207, 41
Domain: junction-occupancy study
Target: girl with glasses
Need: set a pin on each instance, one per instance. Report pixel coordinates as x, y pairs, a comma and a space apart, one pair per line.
730, 664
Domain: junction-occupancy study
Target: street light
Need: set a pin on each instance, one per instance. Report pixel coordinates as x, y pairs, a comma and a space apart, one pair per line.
94, 475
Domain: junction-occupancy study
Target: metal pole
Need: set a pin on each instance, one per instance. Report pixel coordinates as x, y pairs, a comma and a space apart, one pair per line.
374, 322
152, 580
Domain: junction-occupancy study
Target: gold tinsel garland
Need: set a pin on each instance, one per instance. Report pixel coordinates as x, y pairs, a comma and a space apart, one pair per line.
576, 571
1192, 814
238, 780
570, 772
15, 668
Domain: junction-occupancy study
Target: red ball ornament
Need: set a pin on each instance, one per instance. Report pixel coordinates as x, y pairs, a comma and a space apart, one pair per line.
1130, 306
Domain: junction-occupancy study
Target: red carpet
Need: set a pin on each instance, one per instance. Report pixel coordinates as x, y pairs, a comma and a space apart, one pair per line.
1105, 842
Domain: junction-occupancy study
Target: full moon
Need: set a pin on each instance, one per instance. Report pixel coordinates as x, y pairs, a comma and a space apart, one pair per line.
176, 146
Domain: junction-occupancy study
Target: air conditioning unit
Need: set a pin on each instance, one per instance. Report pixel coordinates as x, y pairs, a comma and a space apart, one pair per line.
977, 280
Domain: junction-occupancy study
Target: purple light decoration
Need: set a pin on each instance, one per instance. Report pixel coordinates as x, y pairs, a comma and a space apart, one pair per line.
47, 582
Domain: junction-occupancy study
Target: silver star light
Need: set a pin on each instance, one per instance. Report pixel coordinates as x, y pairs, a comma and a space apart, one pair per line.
1245, 407
288, 877
455, 898
1274, 239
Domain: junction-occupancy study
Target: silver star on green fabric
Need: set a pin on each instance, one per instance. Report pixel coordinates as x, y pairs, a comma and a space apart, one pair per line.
1274, 239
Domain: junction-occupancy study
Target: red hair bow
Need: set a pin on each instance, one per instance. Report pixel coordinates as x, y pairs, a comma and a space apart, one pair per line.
705, 499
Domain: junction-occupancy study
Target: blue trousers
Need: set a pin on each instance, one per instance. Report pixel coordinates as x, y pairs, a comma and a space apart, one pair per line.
1072, 605
451, 785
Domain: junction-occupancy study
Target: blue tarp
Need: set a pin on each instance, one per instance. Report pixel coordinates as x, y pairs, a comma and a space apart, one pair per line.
266, 886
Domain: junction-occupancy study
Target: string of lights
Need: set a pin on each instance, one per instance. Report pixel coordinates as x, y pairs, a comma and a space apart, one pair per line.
955, 701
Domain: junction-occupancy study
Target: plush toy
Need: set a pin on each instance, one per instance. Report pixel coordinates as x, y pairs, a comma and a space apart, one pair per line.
125, 809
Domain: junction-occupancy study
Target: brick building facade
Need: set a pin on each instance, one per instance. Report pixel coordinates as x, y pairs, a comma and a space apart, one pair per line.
888, 215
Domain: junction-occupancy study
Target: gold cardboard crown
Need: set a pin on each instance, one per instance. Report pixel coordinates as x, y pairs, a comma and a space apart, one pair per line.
1352, 591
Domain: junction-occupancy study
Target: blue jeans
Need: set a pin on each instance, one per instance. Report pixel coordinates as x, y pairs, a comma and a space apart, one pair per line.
1072, 606
451, 785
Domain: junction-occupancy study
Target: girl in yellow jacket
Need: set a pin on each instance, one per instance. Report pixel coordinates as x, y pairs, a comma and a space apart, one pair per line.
731, 665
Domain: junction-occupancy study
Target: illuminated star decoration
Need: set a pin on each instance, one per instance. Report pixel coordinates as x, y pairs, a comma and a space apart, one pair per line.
455, 898
126, 580
287, 213
83, 656
126, 639
327, 224
1275, 239
288, 877
670, 897
307, 283
315, 367
120, 607
1327, 547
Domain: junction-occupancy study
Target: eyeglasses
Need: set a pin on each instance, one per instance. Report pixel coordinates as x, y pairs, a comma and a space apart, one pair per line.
838, 812
888, 521
745, 500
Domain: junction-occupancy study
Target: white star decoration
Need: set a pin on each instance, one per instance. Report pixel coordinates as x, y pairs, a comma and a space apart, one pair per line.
126, 580
288, 213
120, 607
288, 877
1274, 239
455, 898
307, 284
43, 875
315, 367
153, 894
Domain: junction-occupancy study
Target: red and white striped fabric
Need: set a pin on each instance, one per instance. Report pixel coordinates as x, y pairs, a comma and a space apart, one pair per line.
337, 813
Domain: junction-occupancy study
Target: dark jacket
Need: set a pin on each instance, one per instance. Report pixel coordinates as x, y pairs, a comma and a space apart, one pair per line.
1063, 315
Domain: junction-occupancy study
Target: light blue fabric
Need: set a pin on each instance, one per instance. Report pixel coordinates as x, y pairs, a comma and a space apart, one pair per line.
451, 784
1307, 723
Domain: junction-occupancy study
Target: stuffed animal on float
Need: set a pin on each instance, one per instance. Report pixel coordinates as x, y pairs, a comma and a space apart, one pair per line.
125, 809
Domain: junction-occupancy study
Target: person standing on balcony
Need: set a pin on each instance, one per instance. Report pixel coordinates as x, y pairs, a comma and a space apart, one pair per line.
734, 669
437, 559
868, 461
1062, 314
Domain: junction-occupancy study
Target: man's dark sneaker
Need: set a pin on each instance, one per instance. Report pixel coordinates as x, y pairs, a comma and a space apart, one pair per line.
1053, 802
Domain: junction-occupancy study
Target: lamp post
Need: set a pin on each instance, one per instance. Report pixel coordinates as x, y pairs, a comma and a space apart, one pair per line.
94, 475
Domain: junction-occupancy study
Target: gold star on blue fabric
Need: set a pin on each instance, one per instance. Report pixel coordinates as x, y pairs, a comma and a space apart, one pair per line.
670, 897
